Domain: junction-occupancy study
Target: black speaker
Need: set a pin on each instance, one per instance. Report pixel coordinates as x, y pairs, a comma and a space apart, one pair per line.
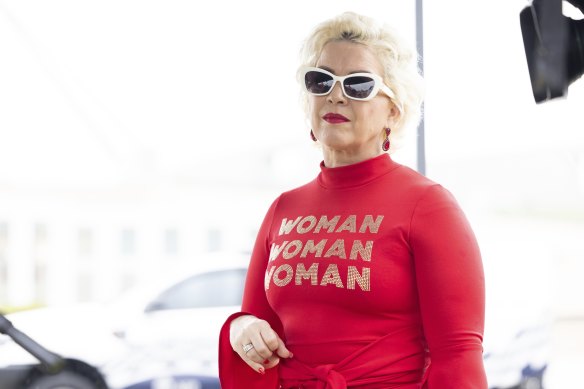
554, 47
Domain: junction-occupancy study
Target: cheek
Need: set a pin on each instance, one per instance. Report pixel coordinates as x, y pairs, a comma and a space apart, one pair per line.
375, 115
366, 116
313, 110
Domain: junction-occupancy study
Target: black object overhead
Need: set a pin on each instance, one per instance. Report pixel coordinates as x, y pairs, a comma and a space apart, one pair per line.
554, 47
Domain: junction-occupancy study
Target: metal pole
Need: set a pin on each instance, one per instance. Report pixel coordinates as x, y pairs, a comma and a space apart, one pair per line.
52, 362
421, 143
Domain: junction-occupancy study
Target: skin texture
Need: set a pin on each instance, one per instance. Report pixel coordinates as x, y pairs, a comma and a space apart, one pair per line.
358, 139
361, 137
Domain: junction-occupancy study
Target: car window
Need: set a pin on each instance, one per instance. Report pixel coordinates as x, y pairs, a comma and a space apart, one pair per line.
213, 289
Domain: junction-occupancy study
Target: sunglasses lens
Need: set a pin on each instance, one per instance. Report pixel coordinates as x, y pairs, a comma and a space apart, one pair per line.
359, 87
317, 82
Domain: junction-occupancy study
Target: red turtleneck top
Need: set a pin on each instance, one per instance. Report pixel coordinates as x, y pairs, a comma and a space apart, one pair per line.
372, 276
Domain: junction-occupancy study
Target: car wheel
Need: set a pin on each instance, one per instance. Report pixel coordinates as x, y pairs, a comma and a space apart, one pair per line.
62, 380
531, 383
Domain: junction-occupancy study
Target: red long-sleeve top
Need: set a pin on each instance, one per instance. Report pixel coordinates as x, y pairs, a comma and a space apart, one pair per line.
373, 277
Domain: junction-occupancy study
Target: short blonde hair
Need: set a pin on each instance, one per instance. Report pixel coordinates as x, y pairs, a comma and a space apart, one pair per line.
399, 61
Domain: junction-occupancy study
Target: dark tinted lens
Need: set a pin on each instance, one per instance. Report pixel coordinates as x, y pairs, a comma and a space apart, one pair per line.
317, 82
359, 87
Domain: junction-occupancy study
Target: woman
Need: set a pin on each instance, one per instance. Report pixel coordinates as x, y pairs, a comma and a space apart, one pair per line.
369, 276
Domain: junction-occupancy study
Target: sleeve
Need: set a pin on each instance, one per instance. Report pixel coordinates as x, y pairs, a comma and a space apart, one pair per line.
234, 373
451, 290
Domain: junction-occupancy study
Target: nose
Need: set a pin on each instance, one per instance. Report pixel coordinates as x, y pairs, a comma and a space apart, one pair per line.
336, 96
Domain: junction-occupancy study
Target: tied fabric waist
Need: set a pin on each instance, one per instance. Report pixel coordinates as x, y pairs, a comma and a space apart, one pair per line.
327, 378
397, 360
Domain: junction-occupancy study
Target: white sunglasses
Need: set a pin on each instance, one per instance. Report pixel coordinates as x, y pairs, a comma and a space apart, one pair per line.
356, 86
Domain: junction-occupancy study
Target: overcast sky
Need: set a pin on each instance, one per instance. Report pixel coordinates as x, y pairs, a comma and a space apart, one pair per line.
91, 90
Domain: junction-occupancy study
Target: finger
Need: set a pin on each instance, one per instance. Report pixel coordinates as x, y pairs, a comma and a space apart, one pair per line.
275, 344
265, 341
251, 357
270, 338
281, 350
271, 362
261, 351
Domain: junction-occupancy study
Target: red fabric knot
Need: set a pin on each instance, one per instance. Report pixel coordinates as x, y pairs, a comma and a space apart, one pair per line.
329, 378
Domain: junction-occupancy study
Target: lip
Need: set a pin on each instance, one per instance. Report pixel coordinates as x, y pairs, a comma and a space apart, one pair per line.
334, 118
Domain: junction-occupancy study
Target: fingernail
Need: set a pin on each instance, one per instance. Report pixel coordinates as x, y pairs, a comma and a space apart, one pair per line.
262, 371
291, 355
266, 361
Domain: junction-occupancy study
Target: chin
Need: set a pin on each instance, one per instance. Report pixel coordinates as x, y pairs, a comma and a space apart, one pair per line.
336, 140
337, 145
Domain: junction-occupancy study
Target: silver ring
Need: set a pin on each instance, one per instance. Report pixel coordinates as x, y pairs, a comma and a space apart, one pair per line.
247, 347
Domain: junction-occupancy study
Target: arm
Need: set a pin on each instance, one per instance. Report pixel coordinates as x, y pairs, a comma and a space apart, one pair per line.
236, 370
451, 284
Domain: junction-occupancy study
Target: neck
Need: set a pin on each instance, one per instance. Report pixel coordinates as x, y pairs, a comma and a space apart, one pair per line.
336, 158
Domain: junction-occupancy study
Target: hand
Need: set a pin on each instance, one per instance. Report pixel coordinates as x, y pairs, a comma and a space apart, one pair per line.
267, 349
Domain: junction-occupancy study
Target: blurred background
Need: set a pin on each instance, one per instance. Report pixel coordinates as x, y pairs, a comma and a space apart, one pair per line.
136, 135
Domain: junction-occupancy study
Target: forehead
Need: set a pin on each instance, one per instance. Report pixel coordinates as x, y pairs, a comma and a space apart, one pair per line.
343, 57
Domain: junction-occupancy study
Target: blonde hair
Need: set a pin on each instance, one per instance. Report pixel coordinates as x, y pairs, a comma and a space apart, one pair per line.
399, 61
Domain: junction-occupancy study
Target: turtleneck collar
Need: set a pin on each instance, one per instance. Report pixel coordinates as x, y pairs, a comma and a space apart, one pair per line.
356, 174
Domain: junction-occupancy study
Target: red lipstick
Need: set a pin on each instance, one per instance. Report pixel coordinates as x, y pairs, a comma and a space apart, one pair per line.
335, 118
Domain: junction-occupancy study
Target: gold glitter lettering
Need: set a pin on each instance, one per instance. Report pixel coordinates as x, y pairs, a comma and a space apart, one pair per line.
364, 280
337, 249
275, 250
297, 244
358, 248
302, 228
310, 247
302, 273
331, 276
267, 277
372, 225
328, 224
286, 280
350, 224
288, 225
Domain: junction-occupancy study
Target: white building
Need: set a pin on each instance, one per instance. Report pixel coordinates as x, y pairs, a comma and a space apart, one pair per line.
62, 243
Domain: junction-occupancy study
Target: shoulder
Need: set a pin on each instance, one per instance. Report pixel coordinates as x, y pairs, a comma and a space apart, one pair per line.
412, 178
421, 192
292, 195
410, 184
300, 192
302, 189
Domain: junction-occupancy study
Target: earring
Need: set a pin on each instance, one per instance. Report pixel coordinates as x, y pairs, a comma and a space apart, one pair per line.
386, 142
312, 136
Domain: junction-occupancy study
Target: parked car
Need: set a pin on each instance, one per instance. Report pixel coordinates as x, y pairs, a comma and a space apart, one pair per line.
52, 371
520, 361
163, 334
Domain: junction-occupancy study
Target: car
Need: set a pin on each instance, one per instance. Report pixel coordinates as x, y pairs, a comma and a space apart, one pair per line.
521, 361
161, 334
52, 371
164, 333
520, 307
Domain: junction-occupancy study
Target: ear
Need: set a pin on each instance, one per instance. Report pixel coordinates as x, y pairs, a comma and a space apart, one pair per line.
394, 115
